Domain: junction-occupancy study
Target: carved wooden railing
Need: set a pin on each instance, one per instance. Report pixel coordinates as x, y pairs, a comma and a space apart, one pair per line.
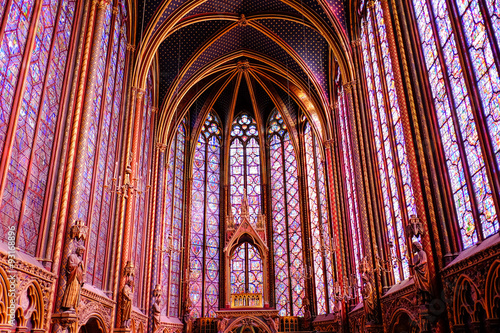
246, 300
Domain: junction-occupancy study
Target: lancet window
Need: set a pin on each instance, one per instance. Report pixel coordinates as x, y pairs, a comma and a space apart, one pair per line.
245, 167
204, 256
287, 231
394, 174
468, 118
172, 226
321, 238
30, 122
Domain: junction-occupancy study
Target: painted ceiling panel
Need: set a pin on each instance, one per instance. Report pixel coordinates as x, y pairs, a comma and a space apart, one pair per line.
223, 103
245, 38
198, 104
243, 102
180, 46
308, 43
264, 102
237, 6
337, 7
243, 7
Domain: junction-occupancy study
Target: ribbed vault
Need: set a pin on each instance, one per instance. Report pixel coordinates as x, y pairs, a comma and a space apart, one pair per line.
253, 55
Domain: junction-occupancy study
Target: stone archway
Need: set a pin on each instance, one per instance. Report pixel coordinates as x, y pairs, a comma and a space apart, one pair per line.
248, 324
93, 325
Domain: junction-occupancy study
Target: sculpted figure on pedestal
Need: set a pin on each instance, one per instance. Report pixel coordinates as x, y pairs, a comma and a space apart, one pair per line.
156, 307
74, 283
222, 324
126, 305
273, 324
368, 291
421, 271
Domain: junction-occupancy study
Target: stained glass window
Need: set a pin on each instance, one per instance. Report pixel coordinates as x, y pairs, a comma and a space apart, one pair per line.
172, 226
456, 114
395, 181
103, 150
246, 270
204, 252
245, 167
287, 233
38, 116
349, 185
321, 239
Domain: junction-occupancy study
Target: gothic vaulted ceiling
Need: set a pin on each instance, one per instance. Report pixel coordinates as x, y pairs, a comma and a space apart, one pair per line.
235, 55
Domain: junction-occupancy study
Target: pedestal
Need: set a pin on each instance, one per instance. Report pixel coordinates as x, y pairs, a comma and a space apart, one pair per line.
68, 321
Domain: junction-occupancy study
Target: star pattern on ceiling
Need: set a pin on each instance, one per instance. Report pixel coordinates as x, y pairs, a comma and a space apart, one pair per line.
288, 44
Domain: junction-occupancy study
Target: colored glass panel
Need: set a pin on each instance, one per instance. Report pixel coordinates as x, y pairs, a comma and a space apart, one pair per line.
488, 83
245, 167
315, 207
287, 233
172, 226
204, 252
455, 118
28, 171
246, 270
11, 54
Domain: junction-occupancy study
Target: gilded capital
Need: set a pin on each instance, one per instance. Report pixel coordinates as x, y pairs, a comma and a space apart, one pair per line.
349, 86
356, 43
161, 146
130, 47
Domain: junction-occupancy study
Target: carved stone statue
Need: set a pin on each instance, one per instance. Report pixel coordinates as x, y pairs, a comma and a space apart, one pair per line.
421, 271
188, 318
307, 309
156, 307
273, 324
74, 283
368, 293
126, 304
189, 321
222, 324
